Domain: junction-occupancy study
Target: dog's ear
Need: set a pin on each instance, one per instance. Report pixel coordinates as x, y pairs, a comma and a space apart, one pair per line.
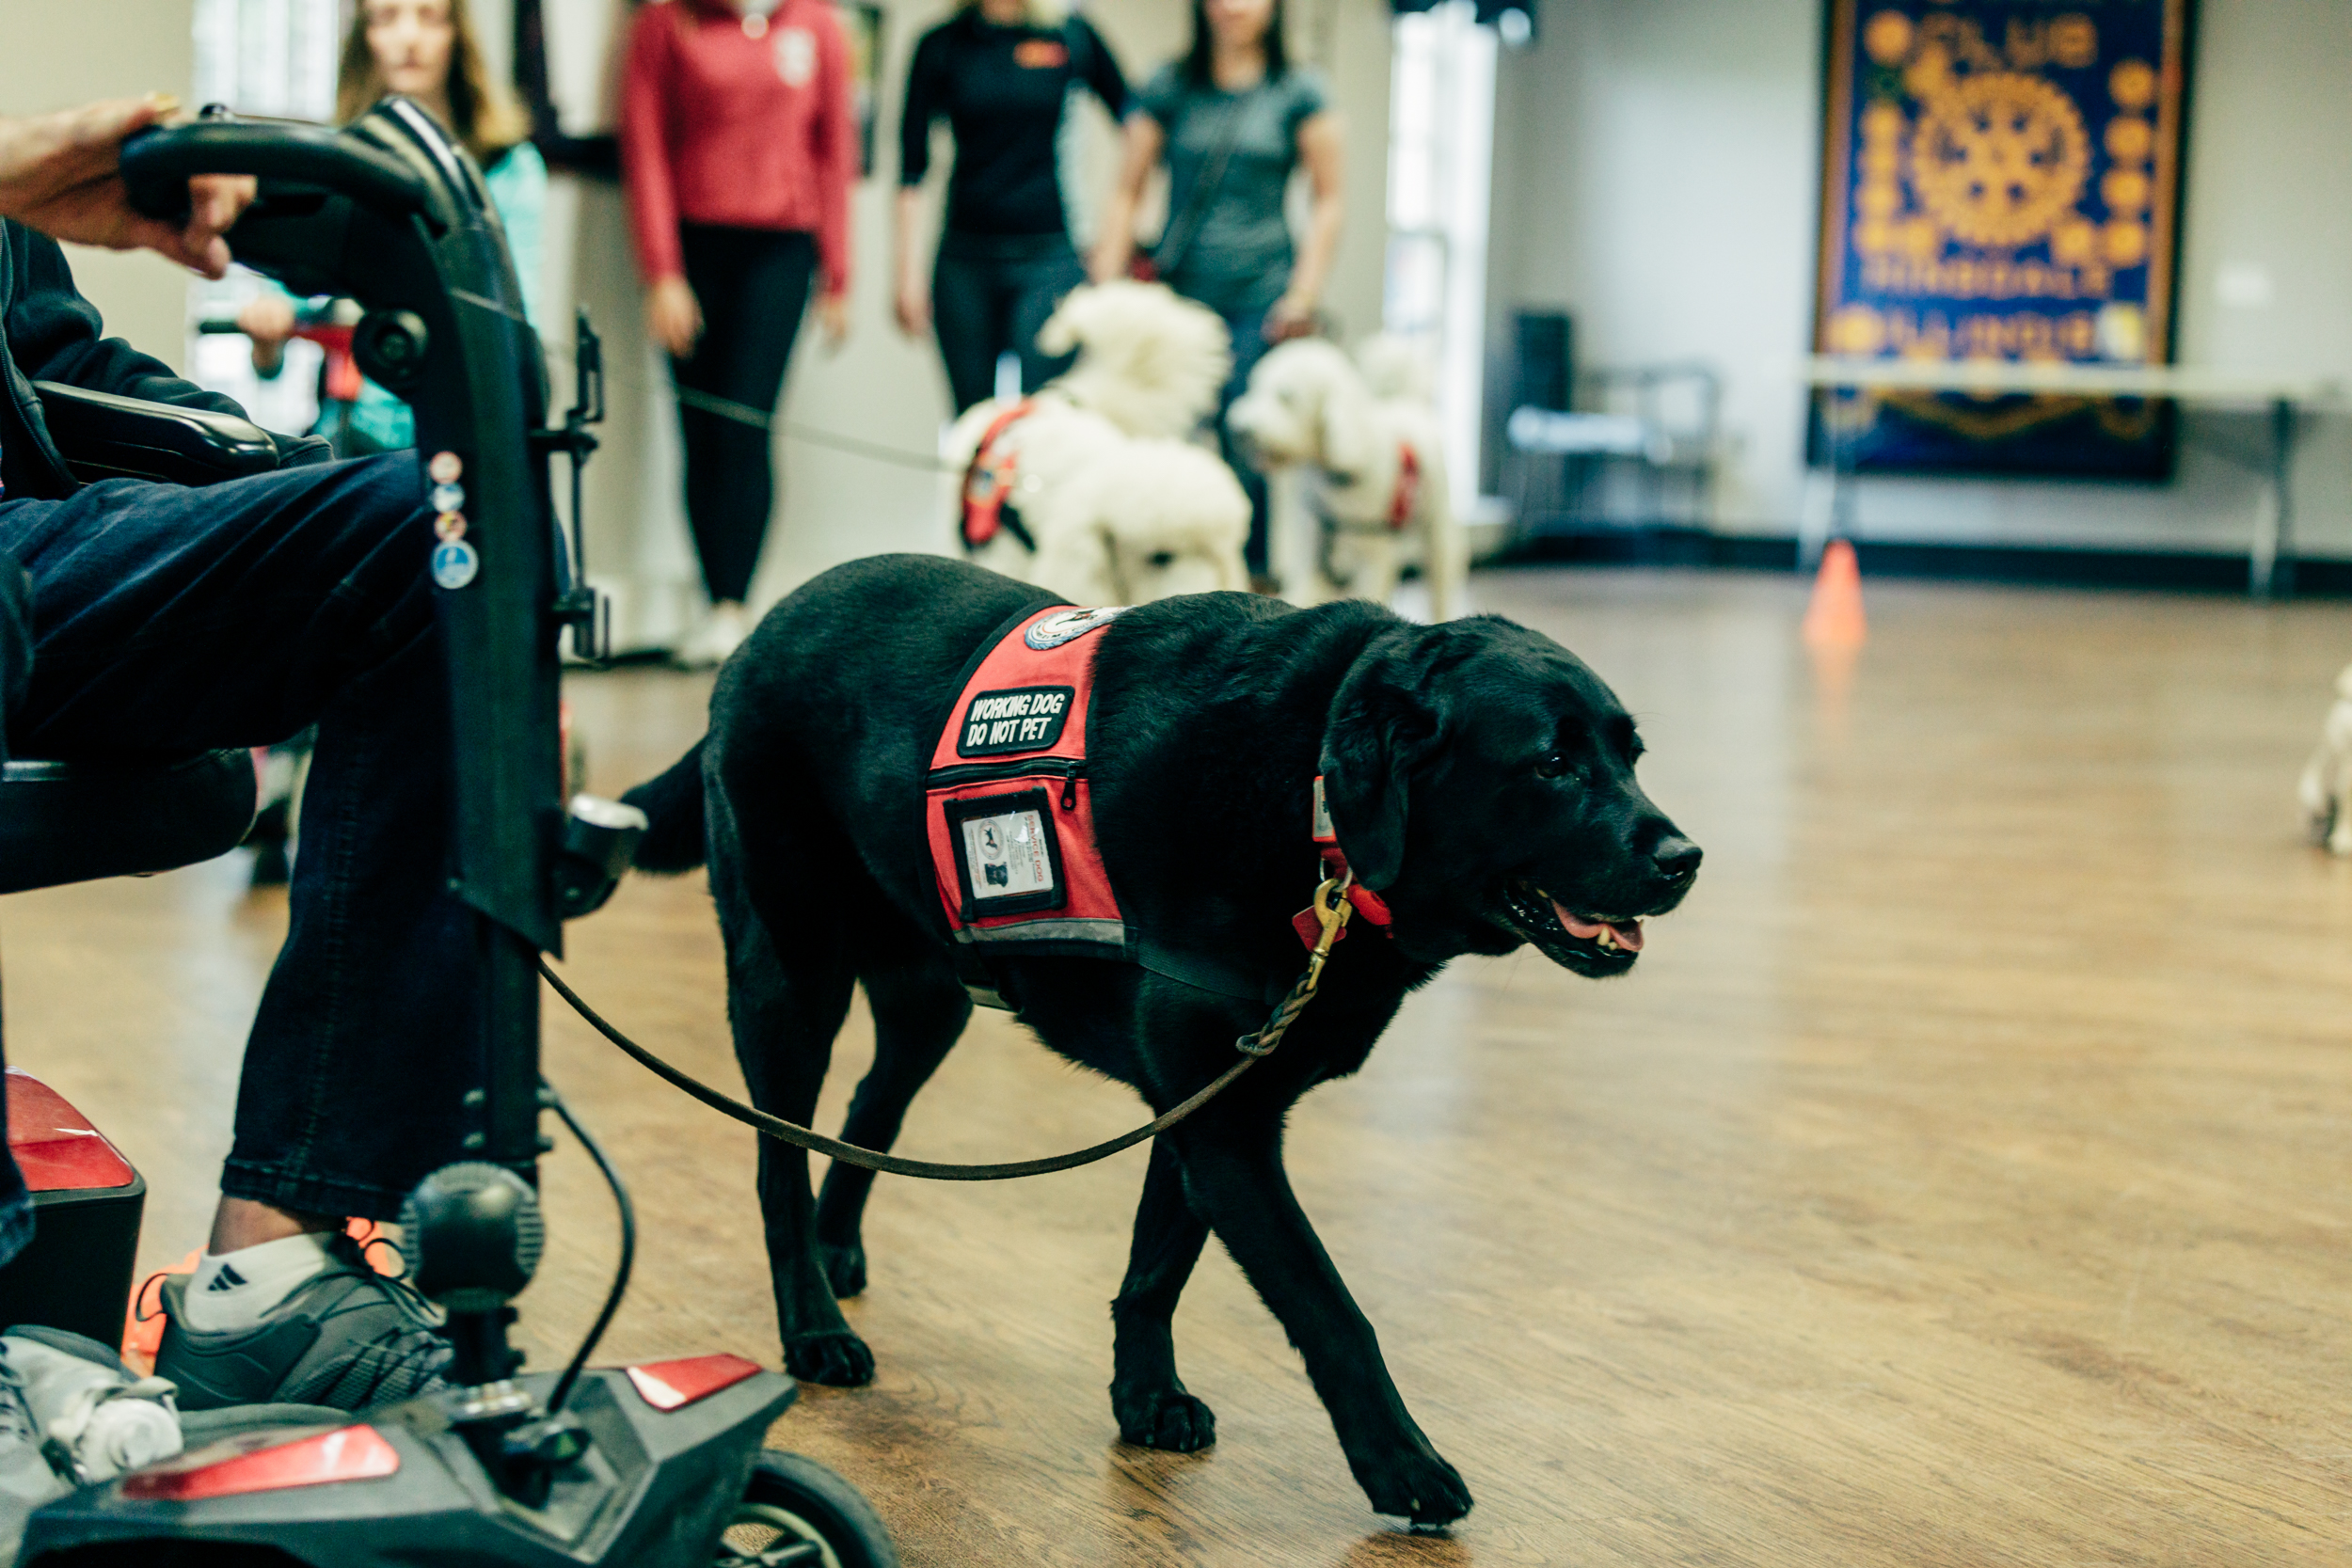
1384, 723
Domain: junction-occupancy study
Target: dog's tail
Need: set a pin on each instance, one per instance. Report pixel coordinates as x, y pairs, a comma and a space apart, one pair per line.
674, 803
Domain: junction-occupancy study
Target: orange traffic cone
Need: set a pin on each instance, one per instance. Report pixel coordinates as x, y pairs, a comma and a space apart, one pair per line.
1834, 619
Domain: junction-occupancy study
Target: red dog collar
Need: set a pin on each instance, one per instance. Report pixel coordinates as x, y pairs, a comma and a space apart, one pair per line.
1369, 906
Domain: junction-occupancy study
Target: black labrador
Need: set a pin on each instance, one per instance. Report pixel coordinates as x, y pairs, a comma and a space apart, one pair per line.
1481, 779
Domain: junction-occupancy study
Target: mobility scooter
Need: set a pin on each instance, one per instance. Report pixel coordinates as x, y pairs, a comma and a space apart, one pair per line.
653, 1465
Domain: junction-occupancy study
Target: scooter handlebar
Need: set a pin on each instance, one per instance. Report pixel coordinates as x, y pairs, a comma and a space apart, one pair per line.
158, 163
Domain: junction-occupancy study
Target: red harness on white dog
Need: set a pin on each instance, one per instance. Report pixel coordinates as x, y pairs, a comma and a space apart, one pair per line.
1406, 496
988, 485
1009, 814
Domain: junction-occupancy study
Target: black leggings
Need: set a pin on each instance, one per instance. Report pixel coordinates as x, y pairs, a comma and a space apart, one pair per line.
990, 294
753, 286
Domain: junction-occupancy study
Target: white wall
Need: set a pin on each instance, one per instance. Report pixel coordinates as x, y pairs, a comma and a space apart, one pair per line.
54, 56
1656, 176
882, 388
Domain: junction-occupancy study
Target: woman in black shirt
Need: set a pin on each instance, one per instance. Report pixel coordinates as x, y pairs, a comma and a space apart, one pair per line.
1000, 71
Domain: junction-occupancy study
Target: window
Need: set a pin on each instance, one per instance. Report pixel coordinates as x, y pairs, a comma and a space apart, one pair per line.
1442, 116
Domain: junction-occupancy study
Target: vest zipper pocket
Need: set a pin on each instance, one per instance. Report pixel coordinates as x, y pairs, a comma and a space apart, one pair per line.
1068, 770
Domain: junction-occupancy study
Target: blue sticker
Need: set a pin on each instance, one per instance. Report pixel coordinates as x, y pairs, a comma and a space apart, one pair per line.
454, 564
449, 498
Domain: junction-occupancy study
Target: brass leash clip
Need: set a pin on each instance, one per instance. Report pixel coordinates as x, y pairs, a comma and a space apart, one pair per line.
1331, 911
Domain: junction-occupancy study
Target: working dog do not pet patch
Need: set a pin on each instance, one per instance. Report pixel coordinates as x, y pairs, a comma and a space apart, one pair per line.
1025, 719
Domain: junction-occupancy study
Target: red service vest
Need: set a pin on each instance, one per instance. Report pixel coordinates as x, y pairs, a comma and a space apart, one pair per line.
1009, 815
1006, 802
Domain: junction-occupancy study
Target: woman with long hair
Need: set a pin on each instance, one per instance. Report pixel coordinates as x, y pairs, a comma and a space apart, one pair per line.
1001, 74
738, 149
425, 50
1233, 119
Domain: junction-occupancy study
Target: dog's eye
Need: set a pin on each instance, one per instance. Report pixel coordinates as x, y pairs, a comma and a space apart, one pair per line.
1163, 560
1550, 766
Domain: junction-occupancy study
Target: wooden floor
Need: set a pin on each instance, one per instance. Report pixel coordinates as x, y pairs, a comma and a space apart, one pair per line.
1966, 1178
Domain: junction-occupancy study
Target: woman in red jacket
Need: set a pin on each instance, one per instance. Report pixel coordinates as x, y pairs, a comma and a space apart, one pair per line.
737, 148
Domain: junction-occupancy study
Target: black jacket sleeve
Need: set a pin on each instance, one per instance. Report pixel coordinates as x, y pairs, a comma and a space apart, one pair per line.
1101, 68
53, 334
925, 101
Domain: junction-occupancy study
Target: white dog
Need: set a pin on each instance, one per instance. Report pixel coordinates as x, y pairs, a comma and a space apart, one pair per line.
1086, 488
2325, 788
1150, 362
1367, 433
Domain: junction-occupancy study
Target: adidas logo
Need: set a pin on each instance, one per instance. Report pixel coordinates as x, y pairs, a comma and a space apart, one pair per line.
228, 1279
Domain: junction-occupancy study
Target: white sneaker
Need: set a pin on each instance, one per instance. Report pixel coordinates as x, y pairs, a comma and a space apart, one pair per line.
709, 645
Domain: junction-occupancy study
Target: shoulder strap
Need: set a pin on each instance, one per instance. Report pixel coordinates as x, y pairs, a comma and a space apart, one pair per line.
1177, 238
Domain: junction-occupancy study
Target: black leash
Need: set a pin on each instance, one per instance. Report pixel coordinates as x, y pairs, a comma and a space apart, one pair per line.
1331, 909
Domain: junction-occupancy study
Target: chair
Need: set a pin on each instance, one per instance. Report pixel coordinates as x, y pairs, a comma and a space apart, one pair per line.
68, 820
71, 820
1641, 434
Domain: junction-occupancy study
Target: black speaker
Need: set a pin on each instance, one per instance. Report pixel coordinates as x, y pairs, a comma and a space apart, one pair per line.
1535, 370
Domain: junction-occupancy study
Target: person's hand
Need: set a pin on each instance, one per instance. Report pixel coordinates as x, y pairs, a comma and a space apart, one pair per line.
833, 314
61, 174
268, 319
674, 316
1292, 316
913, 309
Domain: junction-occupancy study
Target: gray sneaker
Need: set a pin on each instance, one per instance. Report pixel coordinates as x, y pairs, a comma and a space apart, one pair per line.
350, 1337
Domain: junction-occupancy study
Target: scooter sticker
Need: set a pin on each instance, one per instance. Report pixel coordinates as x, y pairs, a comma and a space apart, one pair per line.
445, 467
449, 525
454, 564
449, 498
1070, 626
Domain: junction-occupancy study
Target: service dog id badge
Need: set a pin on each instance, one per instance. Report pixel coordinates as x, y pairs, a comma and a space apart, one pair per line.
1008, 856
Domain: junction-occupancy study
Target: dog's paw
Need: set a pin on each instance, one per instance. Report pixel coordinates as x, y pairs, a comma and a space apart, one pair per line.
844, 1268
839, 1359
1414, 1482
1167, 1418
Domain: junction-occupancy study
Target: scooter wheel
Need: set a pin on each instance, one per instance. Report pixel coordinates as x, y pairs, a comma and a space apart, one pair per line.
791, 1504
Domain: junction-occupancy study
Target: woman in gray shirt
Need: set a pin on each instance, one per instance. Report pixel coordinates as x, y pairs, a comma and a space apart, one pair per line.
1233, 119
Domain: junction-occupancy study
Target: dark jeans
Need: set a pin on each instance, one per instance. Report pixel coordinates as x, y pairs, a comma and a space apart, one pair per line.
990, 294
169, 621
1243, 308
753, 286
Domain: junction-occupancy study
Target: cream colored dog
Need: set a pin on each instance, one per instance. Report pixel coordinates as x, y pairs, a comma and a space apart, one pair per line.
1366, 431
2325, 788
1087, 487
1150, 362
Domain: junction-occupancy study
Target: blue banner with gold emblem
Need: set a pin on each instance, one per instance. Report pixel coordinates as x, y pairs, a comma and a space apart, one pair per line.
2000, 180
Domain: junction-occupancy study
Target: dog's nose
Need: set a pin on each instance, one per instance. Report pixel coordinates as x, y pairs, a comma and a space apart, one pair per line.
1677, 859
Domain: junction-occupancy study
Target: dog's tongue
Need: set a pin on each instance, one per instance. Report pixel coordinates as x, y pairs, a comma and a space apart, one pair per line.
1629, 935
